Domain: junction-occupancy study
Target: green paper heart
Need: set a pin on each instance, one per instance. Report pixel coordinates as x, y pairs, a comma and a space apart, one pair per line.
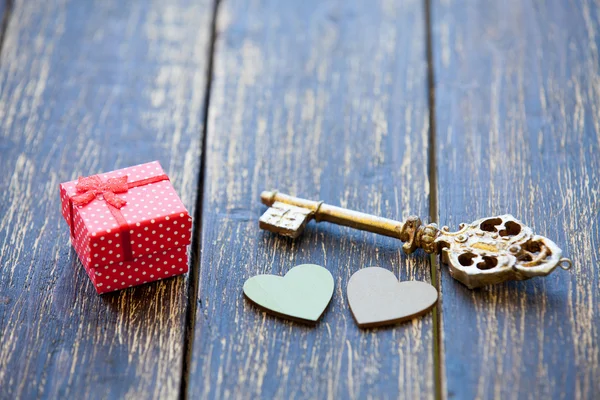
302, 294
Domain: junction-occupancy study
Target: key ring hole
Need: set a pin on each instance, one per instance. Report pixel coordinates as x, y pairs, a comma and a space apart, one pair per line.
565, 263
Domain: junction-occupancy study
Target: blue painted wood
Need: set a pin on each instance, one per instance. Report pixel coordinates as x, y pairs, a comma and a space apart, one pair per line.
327, 100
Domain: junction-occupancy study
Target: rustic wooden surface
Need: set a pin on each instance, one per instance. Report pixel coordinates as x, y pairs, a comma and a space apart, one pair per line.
89, 87
327, 100
517, 121
323, 99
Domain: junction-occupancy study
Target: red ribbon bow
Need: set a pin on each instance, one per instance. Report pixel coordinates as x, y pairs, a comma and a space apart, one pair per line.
90, 187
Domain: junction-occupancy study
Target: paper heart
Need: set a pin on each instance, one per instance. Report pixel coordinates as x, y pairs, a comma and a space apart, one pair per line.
377, 298
302, 294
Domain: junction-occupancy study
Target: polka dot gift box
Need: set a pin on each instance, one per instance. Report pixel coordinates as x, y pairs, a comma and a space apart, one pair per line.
128, 226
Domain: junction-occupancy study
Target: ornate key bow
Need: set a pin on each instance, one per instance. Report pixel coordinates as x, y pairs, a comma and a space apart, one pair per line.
484, 252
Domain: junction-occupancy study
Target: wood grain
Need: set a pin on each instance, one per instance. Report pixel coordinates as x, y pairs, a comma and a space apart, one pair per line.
325, 100
518, 130
87, 87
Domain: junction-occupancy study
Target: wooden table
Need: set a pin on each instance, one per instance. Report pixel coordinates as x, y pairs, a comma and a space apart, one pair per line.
452, 109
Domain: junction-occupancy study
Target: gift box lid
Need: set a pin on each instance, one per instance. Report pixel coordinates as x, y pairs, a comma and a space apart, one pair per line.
118, 216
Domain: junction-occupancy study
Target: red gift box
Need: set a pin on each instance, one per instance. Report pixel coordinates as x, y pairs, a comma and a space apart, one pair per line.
128, 226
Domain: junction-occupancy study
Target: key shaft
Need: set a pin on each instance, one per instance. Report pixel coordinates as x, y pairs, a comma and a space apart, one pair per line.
288, 215
338, 215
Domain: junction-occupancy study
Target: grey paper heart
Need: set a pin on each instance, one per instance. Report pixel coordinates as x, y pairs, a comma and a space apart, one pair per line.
376, 298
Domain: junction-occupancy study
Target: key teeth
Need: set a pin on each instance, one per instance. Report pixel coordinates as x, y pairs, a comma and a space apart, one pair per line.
280, 231
285, 219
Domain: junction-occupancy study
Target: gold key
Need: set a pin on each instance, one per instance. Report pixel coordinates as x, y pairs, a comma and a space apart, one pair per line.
484, 252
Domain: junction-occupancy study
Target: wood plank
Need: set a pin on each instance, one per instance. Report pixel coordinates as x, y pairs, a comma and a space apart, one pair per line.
89, 87
326, 100
518, 117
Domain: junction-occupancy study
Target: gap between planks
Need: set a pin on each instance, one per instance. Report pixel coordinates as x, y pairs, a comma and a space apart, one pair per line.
5, 13
434, 259
190, 317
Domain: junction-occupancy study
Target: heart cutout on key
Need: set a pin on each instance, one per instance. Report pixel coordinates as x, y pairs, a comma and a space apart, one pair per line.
376, 298
301, 295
